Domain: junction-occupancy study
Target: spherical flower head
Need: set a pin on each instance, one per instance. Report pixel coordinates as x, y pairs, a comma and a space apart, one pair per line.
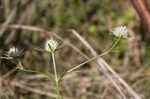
13, 52
51, 45
121, 31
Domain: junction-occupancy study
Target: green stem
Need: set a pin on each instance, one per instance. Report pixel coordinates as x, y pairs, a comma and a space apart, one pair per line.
109, 50
58, 90
56, 78
115, 44
54, 64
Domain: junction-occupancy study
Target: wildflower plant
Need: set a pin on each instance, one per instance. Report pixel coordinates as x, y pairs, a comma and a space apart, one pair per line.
52, 45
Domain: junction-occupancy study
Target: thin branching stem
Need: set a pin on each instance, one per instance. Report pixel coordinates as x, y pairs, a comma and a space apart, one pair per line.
109, 50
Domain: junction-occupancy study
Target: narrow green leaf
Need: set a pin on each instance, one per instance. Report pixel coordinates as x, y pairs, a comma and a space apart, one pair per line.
47, 75
51, 49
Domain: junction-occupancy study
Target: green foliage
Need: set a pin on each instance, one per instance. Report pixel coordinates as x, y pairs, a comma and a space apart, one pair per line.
92, 29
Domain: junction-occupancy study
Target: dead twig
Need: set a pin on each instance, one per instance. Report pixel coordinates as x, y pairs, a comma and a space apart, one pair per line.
142, 9
41, 92
25, 87
9, 73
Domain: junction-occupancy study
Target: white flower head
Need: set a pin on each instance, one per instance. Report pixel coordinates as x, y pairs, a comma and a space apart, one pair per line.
13, 52
51, 45
121, 31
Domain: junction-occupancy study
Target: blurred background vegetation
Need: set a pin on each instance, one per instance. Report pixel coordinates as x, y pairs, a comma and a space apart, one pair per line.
20, 21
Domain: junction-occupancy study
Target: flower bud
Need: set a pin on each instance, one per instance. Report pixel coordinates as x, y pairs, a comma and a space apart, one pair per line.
13, 52
51, 45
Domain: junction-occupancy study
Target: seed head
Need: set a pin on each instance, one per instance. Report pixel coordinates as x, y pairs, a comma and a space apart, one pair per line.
121, 31
51, 45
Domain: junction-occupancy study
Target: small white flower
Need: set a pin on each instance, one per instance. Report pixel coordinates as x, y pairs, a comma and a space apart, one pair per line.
13, 52
51, 45
121, 31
